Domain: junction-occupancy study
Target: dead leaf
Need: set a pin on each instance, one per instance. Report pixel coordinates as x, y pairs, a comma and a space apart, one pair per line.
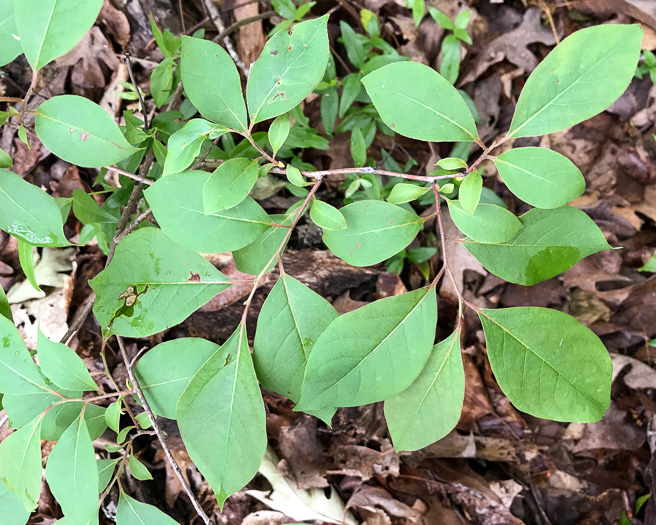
641, 10
372, 498
115, 22
48, 271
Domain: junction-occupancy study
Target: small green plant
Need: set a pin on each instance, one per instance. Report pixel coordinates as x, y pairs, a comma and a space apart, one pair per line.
648, 66
450, 66
547, 363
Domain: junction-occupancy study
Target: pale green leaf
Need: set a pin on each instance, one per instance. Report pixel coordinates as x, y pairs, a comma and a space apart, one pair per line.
138, 469
29, 213
132, 512
165, 371
113, 415
540, 176
278, 132
63, 366
451, 163
372, 353
649, 266
358, 148
489, 223
212, 82
229, 185
405, 192
550, 242
5, 309
49, 29
415, 101
430, 407
294, 176
222, 420
10, 46
185, 144
292, 319
290, 66
375, 230
326, 216
581, 77
5, 160
13, 511
163, 281
548, 364
253, 258
469, 193
106, 469
26, 258
143, 420
18, 373
72, 473
177, 204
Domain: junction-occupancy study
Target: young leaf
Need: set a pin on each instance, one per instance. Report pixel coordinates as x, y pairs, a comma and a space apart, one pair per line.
157, 289
489, 223
372, 353
418, 11
253, 258
291, 65
550, 242
72, 473
29, 213
329, 105
5, 309
221, 418
132, 512
5, 160
88, 211
451, 163
26, 258
20, 463
469, 194
13, 511
177, 202
581, 77
212, 83
430, 407
441, 19
294, 176
450, 66
355, 51
351, 87
541, 177
404, 192
358, 148
10, 46
161, 80
49, 29
229, 185
143, 420
375, 230
113, 416
165, 371
63, 366
326, 216
18, 373
649, 266
547, 363
138, 470
432, 110
185, 144
292, 319
278, 132
80, 132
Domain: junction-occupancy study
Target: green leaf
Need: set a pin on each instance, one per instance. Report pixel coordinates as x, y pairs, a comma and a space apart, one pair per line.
113, 416
88, 211
5, 160
489, 223
375, 230
138, 470
5, 310
462, 19
18, 372
80, 132
329, 105
292, 319
161, 80
541, 177
253, 258
432, 110
222, 420
291, 65
649, 266
29, 213
441, 19
177, 204
405, 192
106, 469
326, 216
581, 77
294, 176
351, 87
160, 287
450, 66
72, 473
548, 364
143, 420
451, 163
10, 46
13, 511
355, 51
229, 185
284, 8
418, 11
550, 242
358, 148
372, 353
20, 463
278, 132
185, 144
132, 512
49, 29
165, 371
469, 194
430, 407
212, 82
26, 258
63, 366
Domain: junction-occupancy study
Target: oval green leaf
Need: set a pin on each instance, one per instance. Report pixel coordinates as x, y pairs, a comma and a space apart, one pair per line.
430, 407
372, 353
581, 77
160, 283
415, 101
185, 144
550, 242
177, 202
469, 194
278, 132
63, 366
326, 216
212, 83
291, 65
229, 185
548, 364
375, 230
405, 192
541, 177
80, 132
222, 420
489, 223
132, 512
138, 469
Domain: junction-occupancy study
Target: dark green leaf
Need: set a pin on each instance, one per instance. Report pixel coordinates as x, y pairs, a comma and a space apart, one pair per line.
358, 148
354, 49
329, 103
161, 80
5, 160
88, 211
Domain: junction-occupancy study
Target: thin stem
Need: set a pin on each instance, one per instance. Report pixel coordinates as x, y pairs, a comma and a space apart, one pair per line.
244, 21
321, 174
129, 175
133, 226
167, 452
440, 225
79, 319
128, 63
10, 99
28, 95
257, 147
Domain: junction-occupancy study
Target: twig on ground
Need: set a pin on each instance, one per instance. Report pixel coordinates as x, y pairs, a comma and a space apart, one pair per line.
83, 313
